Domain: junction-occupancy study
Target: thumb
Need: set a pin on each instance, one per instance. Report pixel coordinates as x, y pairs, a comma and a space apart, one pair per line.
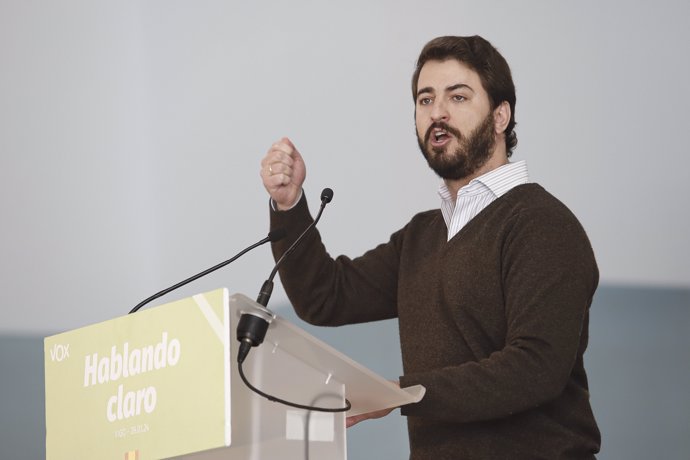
295, 153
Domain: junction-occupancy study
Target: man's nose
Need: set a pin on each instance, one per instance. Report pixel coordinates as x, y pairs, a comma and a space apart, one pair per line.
439, 111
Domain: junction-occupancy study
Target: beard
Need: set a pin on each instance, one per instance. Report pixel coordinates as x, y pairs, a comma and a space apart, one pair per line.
472, 152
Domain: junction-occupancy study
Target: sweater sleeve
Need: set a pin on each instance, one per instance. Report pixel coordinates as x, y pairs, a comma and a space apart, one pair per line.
548, 275
331, 292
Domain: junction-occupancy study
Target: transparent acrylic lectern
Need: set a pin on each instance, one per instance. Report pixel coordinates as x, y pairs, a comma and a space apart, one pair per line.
293, 365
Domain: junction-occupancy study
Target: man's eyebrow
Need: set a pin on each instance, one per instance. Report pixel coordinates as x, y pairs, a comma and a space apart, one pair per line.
428, 89
459, 86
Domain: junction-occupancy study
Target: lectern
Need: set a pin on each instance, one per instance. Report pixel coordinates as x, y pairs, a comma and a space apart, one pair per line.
163, 383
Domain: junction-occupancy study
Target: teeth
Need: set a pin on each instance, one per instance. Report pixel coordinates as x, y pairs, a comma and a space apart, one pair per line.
439, 134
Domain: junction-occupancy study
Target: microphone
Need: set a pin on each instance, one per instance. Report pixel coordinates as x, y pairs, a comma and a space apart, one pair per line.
273, 235
326, 195
252, 328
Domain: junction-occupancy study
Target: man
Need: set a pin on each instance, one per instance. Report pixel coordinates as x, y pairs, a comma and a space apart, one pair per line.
492, 292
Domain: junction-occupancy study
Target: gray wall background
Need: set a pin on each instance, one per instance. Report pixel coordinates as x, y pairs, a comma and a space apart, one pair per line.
131, 134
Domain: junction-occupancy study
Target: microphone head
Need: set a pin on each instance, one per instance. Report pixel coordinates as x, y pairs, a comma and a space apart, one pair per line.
326, 195
276, 235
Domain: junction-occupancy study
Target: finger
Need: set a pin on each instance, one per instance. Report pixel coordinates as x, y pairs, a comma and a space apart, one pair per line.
277, 161
279, 168
275, 182
273, 156
294, 153
352, 421
275, 151
276, 170
286, 146
282, 146
288, 142
272, 181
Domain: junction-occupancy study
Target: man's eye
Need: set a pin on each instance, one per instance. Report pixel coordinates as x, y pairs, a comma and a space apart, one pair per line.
425, 101
459, 98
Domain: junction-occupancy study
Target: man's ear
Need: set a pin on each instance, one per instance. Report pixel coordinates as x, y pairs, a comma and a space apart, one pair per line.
501, 117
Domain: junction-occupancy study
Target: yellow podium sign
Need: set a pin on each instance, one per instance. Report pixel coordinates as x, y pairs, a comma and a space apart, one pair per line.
151, 385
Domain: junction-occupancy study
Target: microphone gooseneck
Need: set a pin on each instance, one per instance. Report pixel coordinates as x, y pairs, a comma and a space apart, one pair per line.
273, 235
267, 288
252, 327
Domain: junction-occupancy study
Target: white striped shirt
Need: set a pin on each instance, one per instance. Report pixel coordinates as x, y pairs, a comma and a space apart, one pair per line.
479, 193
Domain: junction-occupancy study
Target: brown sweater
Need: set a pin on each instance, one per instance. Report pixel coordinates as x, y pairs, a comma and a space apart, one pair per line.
494, 323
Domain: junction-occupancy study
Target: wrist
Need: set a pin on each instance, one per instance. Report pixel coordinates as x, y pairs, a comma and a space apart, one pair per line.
286, 206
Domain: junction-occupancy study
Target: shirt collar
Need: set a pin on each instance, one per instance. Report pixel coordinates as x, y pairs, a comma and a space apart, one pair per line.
498, 181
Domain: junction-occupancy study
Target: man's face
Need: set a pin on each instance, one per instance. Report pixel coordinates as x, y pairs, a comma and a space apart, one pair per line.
455, 124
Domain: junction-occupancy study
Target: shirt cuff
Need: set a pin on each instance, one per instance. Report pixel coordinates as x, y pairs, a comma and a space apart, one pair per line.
273, 203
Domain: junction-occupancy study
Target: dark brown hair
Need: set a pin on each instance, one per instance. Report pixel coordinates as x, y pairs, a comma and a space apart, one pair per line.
478, 54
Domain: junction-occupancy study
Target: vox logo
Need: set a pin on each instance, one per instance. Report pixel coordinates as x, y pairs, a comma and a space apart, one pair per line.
59, 352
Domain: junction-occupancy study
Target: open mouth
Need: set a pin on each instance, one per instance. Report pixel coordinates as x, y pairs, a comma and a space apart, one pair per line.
439, 137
